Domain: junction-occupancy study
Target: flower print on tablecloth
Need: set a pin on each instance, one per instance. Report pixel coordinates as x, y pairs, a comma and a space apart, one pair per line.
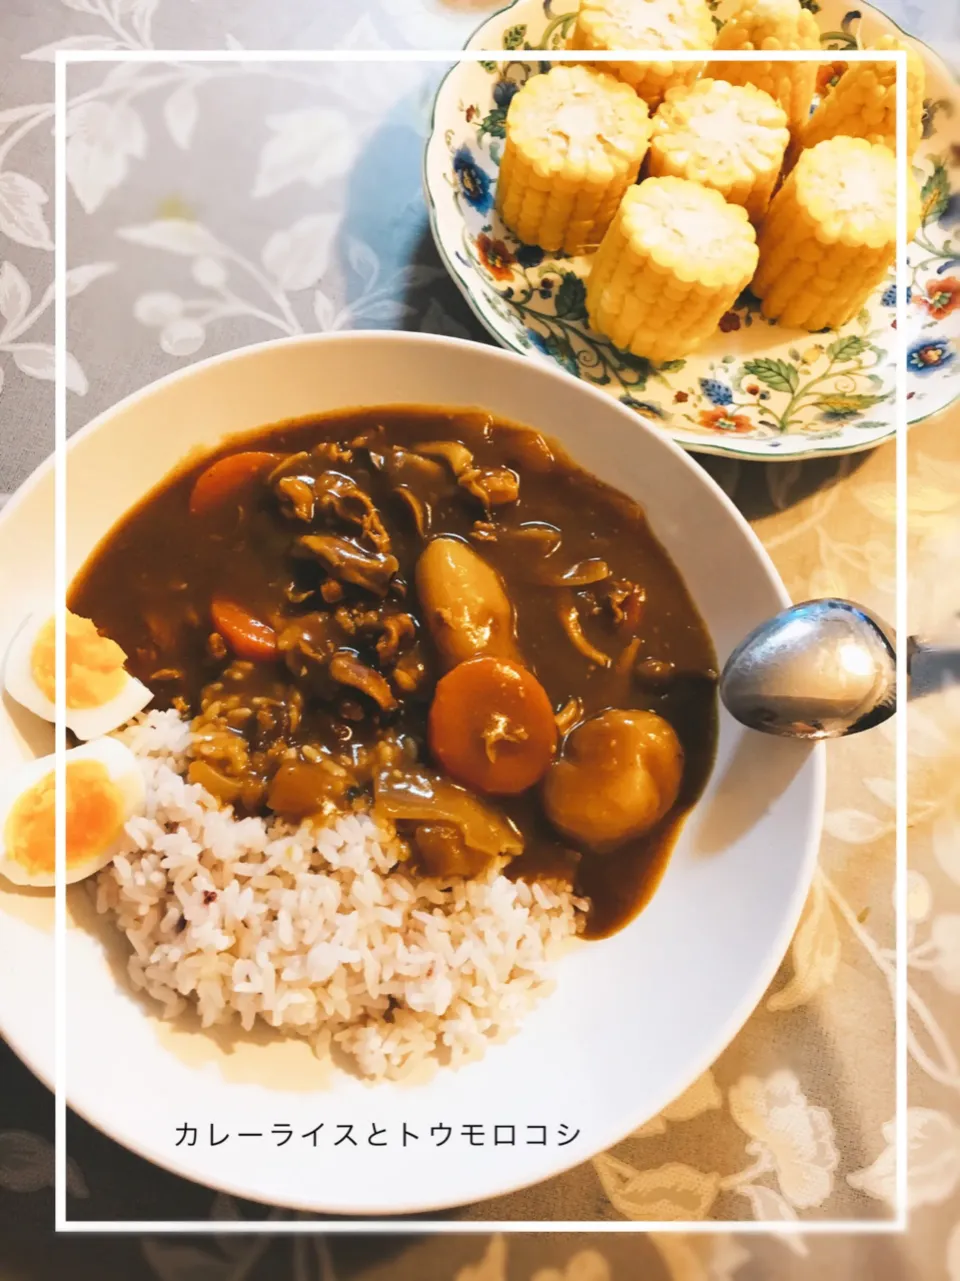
108, 139
27, 1165
932, 1157
584, 1265
21, 317
717, 1257
791, 1156
791, 1138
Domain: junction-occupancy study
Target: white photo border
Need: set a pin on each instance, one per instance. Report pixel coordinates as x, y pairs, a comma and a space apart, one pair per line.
895, 1226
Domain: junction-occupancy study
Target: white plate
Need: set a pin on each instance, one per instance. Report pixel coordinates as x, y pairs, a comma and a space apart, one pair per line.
754, 390
634, 1020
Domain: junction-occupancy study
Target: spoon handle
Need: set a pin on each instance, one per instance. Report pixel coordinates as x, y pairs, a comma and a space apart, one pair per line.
931, 666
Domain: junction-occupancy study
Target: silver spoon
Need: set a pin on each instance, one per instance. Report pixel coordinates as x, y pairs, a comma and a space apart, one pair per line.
825, 669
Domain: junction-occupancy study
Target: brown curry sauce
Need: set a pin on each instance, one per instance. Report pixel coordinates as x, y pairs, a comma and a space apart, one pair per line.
150, 584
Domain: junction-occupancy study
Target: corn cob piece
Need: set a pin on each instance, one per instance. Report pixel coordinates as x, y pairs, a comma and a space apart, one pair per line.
575, 140
725, 136
830, 235
646, 24
863, 103
675, 258
772, 25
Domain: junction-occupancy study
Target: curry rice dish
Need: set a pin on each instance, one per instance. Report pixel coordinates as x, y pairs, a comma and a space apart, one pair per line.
428, 702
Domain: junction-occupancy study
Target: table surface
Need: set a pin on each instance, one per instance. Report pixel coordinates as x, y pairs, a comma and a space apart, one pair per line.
794, 1120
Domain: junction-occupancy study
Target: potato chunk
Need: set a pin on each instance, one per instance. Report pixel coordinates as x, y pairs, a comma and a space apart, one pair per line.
465, 604
617, 777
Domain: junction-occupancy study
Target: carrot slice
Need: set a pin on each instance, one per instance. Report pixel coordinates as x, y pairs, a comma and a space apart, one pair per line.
226, 477
247, 636
491, 726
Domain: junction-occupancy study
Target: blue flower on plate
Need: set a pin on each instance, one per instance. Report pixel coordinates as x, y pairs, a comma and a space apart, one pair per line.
538, 341
529, 255
642, 406
474, 183
951, 212
716, 392
889, 298
503, 92
927, 356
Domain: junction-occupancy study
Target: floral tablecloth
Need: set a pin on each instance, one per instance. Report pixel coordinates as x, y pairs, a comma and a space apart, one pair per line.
212, 206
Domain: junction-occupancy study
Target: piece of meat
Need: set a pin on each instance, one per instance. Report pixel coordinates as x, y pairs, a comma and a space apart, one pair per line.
296, 497
342, 496
296, 594
290, 466
316, 635
625, 602
569, 715
410, 671
369, 439
570, 618
537, 535
394, 631
582, 574
344, 560
418, 508
216, 646
528, 450
457, 457
492, 486
346, 669
307, 643
329, 452
484, 531
423, 476
354, 619
398, 632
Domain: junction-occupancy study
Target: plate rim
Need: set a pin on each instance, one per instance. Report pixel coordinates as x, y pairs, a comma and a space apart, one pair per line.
711, 448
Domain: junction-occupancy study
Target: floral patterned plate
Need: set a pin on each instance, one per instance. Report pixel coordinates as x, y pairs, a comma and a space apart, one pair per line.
756, 390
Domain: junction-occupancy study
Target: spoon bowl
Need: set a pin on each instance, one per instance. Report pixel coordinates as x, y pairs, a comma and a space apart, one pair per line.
820, 669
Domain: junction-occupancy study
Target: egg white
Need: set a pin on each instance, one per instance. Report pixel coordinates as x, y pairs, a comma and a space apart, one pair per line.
123, 770
85, 722
92, 722
18, 670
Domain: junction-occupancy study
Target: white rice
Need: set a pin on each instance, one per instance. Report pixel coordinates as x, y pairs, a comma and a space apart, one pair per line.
319, 930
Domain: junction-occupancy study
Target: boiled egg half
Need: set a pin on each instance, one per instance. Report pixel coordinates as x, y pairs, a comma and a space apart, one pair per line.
101, 694
104, 789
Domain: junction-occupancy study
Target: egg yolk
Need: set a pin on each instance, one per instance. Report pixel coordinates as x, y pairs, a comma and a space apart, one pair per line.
95, 671
95, 818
